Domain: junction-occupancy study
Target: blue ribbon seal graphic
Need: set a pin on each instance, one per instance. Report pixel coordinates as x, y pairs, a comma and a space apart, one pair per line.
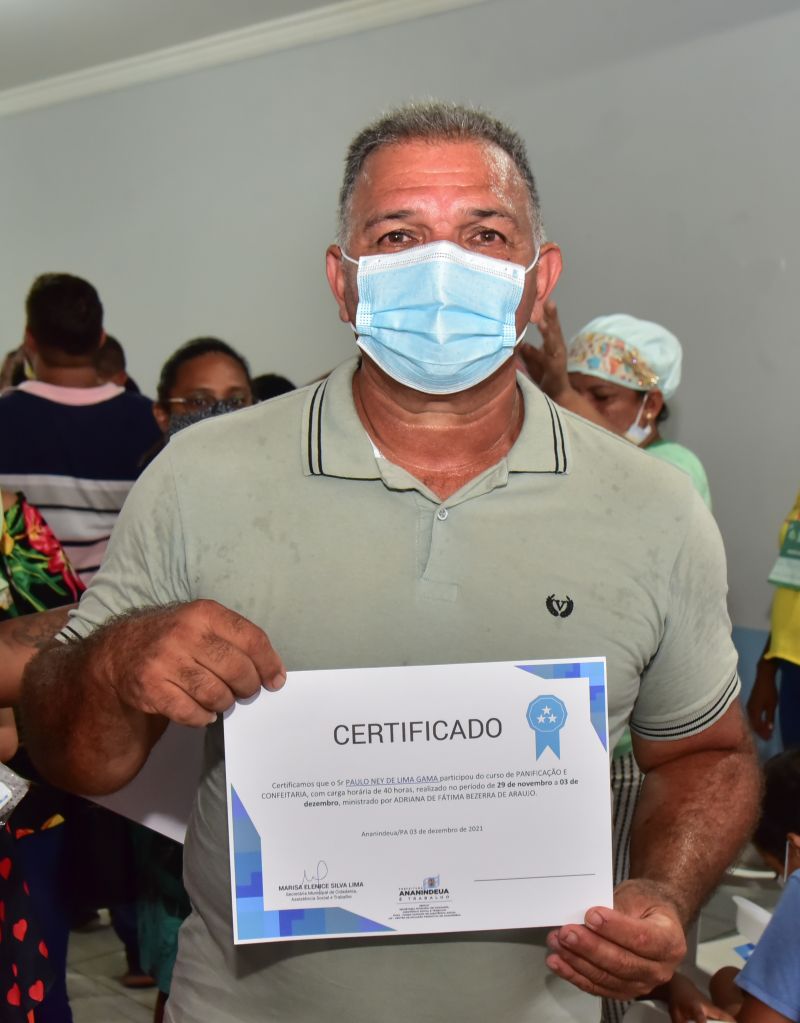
547, 715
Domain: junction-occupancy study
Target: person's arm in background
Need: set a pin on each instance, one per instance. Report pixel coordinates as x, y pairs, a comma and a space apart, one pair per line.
547, 367
706, 785
687, 1003
9, 740
20, 639
763, 701
755, 1011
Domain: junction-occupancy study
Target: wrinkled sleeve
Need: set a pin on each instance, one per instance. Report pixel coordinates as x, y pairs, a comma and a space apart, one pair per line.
145, 563
692, 679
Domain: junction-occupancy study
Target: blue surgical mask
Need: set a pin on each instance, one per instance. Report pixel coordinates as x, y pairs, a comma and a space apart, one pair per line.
436, 317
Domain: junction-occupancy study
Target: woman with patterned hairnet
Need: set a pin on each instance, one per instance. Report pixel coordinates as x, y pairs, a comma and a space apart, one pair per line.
618, 372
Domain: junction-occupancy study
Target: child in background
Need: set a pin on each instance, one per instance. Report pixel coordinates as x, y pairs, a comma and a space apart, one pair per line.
767, 990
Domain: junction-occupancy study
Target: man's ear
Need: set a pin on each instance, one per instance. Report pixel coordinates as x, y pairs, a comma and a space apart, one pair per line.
548, 270
336, 273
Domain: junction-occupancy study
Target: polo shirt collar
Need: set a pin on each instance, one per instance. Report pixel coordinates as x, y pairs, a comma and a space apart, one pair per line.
543, 444
334, 443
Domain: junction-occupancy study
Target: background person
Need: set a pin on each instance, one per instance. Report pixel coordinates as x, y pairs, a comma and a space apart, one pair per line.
34, 575
781, 657
618, 371
72, 444
12, 370
204, 377
111, 365
767, 989
270, 385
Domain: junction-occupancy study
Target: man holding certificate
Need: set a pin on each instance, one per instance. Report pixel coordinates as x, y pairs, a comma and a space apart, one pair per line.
486, 561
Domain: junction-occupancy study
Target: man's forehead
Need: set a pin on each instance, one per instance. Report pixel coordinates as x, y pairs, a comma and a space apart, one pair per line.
440, 163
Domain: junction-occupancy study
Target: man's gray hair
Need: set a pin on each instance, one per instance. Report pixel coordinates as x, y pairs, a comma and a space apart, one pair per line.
434, 122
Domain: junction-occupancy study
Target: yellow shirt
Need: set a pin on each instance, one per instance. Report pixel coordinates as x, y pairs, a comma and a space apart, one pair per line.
785, 631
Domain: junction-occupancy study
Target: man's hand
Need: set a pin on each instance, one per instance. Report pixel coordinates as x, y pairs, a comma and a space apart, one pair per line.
113, 693
623, 952
187, 663
763, 700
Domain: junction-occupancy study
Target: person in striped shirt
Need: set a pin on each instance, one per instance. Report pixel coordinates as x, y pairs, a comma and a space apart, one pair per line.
72, 444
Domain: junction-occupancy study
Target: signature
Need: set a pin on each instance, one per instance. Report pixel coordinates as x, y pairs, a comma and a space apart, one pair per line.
320, 874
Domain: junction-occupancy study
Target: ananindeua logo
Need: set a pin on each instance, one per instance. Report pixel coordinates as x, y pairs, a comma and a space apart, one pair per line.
559, 608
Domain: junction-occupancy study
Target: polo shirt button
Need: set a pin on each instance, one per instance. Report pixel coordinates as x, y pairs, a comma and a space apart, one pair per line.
441, 514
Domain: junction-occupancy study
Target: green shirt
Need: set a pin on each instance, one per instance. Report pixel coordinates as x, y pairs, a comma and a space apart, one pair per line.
286, 513
683, 458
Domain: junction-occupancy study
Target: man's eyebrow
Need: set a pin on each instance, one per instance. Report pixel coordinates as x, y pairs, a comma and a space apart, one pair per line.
384, 215
478, 214
487, 214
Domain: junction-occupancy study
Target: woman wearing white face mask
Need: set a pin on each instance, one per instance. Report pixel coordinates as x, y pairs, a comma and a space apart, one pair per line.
619, 372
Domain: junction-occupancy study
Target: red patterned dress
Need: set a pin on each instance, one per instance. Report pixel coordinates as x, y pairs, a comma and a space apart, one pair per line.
34, 576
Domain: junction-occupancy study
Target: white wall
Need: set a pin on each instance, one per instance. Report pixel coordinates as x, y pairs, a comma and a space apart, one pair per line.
663, 137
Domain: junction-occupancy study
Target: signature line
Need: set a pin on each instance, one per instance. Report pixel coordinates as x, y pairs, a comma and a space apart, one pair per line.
534, 877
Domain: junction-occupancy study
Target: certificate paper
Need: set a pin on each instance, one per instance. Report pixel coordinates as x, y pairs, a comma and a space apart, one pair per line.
417, 800
162, 793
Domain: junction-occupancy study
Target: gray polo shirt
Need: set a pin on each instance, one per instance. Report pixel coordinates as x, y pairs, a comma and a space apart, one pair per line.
286, 513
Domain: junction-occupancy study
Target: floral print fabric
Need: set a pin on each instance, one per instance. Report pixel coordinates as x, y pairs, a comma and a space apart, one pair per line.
34, 572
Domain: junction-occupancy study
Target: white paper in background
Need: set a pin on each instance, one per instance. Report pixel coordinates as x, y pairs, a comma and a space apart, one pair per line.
162, 793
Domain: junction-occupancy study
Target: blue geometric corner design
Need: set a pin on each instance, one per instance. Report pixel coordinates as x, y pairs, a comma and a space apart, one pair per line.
595, 672
253, 922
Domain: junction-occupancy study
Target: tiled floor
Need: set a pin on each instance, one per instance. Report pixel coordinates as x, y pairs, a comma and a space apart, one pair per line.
96, 961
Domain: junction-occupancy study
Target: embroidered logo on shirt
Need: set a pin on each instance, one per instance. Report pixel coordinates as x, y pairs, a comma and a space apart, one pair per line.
559, 608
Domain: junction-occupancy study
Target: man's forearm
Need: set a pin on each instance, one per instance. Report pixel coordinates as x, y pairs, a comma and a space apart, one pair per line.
693, 817
77, 730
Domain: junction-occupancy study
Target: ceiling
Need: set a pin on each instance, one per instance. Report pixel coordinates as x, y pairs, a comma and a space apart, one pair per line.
40, 39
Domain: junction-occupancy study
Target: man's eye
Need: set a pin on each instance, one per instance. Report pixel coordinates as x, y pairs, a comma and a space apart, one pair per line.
488, 236
395, 238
